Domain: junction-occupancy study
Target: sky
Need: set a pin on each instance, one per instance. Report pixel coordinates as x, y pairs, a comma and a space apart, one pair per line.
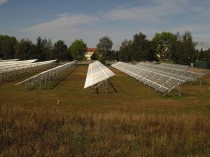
91, 20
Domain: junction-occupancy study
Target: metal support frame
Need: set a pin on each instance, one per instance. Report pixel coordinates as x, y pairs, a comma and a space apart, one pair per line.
105, 84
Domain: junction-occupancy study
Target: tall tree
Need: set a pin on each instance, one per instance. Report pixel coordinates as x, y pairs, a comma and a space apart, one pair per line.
164, 44
60, 50
142, 48
125, 52
24, 49
185, 52
78, 49
104, 48
7, 46
43, 48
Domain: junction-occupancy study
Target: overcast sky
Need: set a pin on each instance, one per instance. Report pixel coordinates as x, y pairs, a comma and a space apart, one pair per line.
92, 19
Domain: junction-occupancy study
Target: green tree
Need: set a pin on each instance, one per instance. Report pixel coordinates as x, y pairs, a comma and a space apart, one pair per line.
95, 56
78, 49
125, 52
60, 51
24, 49
164, 45
185, 52
43, 48
141, 48
7, 46
104, 48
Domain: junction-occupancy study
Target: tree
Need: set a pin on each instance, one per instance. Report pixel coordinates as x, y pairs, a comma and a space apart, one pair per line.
142, 48
125, 52
60, 51
95, 56
78, 49
104, 47
185, 52
24, 49
7, 46
43, 49
164, 44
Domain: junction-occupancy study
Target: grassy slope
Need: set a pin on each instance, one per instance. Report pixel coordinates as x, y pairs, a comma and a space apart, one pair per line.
136, 121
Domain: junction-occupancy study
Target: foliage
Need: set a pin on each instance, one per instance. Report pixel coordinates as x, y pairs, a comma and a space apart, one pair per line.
164, 44
60, 51
25, 49
139, 49
185, 52
125, 52
43, 48
78, 49
7, 47
95, 56
104, 48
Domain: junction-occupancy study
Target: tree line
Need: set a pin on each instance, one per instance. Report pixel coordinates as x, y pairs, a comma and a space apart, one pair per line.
179, 48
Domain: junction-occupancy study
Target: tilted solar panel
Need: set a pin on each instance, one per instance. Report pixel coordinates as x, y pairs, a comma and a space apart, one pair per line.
97, 72
159, 81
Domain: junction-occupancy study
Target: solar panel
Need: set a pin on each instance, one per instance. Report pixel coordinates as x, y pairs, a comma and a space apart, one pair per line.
174, 70
41, 79
159, 81
175, 66
9, 70
97, 72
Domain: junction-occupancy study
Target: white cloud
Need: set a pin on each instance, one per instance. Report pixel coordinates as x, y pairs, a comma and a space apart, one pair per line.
2, 2
62, 22
204, 45
144, 13
64, 27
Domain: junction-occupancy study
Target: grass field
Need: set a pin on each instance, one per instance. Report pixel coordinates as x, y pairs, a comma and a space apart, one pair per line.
136, 121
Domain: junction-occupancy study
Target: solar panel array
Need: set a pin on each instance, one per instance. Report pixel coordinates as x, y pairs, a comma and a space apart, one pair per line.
43, 78
162, 77
175, 66
97, 73
173, 70
10, 69
160, 82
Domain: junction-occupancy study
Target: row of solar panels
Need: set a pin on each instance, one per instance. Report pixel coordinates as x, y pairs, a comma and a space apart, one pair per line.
46, 76
11, 69
162, 77
9, 66
178, 71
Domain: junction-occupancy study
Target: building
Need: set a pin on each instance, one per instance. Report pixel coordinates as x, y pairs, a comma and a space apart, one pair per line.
90, 52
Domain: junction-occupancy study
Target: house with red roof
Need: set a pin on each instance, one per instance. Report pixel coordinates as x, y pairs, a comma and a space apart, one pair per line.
89, 52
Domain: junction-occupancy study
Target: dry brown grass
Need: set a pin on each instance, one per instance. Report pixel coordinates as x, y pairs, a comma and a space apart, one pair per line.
50, 131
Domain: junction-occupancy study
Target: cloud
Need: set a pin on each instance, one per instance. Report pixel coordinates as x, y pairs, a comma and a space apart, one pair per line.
2, 2
151, 13
62, 22
204, 45
64, 27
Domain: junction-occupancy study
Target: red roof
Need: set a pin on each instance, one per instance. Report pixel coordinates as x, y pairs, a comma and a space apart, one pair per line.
91, 49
